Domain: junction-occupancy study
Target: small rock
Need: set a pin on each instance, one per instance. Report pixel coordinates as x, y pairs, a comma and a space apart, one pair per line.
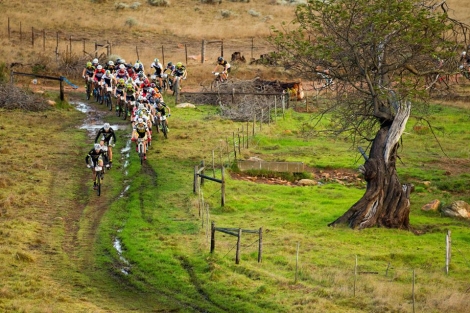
431, 206
457, 208
307, 182
186, 105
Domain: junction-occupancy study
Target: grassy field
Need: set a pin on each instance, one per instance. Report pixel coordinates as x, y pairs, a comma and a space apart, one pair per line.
144, 245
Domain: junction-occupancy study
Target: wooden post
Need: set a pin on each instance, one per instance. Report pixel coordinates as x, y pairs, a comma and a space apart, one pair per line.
84, 46
237, 255
32, 37
213, 164
247, 134
234, 147
254, 123
70, 43
61, 83
137, 52
9, 31
186, 53
21, 33
57, 42
96, 49
212, 237
222, 48
448, 251
202, 172
252, 47
203, 51
355, 278
163, 57
44, 39
413, 291
275, 109
222, 188
195, 179
239, 149
108, 48
297, 263
260, 245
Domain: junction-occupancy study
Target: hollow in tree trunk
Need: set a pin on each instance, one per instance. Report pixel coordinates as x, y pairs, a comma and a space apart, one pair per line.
386, 202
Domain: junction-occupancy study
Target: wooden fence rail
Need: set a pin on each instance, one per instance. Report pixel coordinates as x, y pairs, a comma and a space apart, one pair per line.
60, 79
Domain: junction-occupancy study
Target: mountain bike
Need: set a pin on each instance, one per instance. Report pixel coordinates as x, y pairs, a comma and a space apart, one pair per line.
140, 149
120, 102
107, 98
127, 109
98, 179
218, 80
161, 125
89, 86
324, 81
167, 83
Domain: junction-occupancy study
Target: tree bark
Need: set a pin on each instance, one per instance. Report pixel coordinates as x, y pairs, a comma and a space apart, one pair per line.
386, 202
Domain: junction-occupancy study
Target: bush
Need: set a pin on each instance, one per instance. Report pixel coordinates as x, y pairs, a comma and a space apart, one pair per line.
130, 22
226, 13
135, 5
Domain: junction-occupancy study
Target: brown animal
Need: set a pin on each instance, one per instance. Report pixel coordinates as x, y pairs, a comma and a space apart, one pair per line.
294, 89
238, 57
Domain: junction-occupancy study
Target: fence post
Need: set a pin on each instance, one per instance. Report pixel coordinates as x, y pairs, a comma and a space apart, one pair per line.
203, 164
222, 48
448, 251
195, 179
222, 188
70, 50
61, 83
203, 51
212, 237
44, 39
260, 245
252, 47
9, 32
32, 37
186, 53
355, 278
296, 262
213, 164
163, 57
237, 255
21, 33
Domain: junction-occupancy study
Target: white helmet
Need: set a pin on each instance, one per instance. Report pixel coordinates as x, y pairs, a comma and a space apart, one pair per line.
99, 67
136, 66
110, 63
106, 126
122, 66
97, 146
95, 61
140, 120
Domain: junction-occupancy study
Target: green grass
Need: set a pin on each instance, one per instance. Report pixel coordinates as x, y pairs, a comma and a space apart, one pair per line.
165, 241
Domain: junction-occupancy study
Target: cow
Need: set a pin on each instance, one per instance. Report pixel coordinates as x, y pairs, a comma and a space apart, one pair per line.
238, 57
293, 89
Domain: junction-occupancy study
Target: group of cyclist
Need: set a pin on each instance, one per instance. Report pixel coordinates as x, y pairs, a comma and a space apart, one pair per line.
130, 83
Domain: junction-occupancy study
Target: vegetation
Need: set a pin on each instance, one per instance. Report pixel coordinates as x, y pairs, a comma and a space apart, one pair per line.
143, 246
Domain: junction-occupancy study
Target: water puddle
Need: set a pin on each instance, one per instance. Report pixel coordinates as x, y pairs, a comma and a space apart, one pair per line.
93, 121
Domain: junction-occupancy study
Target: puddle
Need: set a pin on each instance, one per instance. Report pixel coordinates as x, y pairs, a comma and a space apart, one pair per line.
117, 245
93, 121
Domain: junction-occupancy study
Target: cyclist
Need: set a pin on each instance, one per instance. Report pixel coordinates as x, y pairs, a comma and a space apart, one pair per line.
226, 68
88, 72
106, 133
140, 130
110, 67
158, 71
97, 77
129, 93
179, 73
121, 72
109, 80
138, 67
95, 62
161, 111
94, 158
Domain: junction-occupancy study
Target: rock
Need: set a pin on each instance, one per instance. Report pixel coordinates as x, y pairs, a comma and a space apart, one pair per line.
307, 182
255, 158
51, 102
186, 105
431, 206
457, 208
325, 176
427, 184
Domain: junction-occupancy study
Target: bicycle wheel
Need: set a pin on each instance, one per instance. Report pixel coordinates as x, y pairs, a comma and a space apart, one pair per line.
164, 130
332, 86
141, 153
318, 84
109, 102
88, 90
98, 183
125, 110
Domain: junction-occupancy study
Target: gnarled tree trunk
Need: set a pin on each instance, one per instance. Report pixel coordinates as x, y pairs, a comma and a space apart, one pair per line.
386, 201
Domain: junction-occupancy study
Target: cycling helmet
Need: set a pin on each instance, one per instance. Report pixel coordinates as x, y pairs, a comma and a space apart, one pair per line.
118, 60
121, 80
129, 85
140, 120
136, 66
153, 85
88, 64
95, 61
179, 64
122, 67
106, 126
220, 59
110, 63
99, 67
97, 146
156, 60
123, 61
170, 64
108, 72
146, 82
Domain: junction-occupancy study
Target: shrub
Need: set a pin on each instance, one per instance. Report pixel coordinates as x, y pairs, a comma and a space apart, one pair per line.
121, 6
211, 1
130, 22
135, 5
254, 13
226, 13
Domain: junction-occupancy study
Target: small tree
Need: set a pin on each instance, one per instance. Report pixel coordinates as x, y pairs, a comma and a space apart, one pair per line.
381, 54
